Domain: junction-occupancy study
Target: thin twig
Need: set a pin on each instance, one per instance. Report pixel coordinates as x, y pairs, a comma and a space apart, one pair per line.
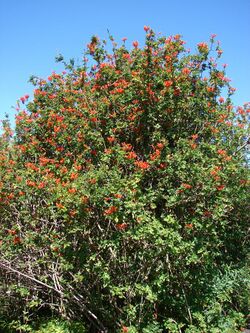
243, 146
8, 268
90, 315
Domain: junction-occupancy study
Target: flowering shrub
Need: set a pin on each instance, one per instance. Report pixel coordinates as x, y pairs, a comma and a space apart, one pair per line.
124, 192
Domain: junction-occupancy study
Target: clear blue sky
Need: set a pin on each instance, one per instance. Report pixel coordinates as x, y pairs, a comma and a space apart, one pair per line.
33, 32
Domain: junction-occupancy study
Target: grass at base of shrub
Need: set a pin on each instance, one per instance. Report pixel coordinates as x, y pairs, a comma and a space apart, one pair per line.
52, 325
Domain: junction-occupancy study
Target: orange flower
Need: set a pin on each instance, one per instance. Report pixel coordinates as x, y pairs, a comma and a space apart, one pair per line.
131, 155
186, 71
73, 176
126, 56
57, 129
155, 155
126, 146
186, 186
44, 160
11, 162
214, 172
227, 158
203, 47
221, 152
118, 196
41, 185
210, 89
31, 166
11, 232
142, 165
119, 90
193, 145
177, 37
160, 145
162, 165
16, 240
121, 226
189, 226
111, 139
108, 151
78, 167
72, 190
194, 136
135, 44
30, 183
220, 187
57, 180
168, 83
59, 205
110, 210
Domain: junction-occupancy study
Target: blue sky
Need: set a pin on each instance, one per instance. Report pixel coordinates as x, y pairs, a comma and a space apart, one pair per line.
33, 32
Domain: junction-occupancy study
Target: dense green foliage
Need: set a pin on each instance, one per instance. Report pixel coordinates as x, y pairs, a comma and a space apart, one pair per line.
124, 194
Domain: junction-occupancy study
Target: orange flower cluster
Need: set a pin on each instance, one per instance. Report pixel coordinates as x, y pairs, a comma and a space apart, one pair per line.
186, 186
168, 83
110, 210
131, 155
121, 226
142, 165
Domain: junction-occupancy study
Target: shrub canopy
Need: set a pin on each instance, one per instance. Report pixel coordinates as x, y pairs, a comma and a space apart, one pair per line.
124, 192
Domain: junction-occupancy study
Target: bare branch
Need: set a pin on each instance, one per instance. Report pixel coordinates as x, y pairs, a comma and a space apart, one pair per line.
243, 146
79, 299
8, 268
